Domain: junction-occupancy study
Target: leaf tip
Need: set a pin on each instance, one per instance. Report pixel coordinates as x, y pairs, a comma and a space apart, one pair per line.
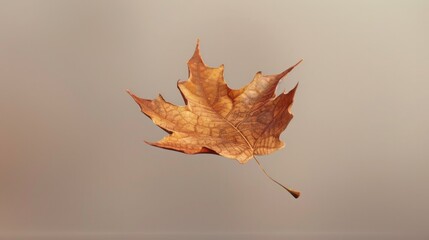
285, 72
295, 88
129, 92
149, 143
133, 96
292, 91
160, 97
196, 57
197, 47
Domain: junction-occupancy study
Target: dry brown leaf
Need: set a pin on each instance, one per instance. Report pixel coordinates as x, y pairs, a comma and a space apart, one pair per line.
237, 124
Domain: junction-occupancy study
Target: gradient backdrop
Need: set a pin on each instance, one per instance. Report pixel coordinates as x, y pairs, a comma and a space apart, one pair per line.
73, 164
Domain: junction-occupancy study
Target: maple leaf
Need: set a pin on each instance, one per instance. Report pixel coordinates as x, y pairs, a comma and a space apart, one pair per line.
236, 124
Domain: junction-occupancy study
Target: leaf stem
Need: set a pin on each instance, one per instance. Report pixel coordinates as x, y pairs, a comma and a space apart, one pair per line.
294, 193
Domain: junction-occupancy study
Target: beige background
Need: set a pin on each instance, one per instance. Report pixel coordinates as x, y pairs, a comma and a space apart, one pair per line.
73, 162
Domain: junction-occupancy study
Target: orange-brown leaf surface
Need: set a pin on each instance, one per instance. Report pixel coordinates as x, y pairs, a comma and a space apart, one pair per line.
236, 124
